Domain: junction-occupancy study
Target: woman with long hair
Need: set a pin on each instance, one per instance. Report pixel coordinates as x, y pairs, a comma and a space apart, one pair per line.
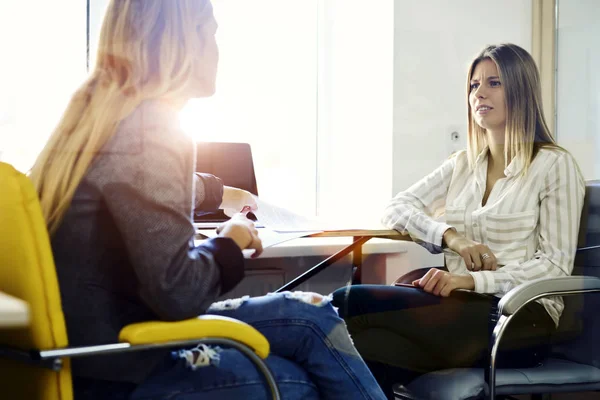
117, 187
512, 203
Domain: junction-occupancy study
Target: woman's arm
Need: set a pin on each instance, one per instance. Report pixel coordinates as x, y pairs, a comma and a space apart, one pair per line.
561, 201
413, 210
209, 192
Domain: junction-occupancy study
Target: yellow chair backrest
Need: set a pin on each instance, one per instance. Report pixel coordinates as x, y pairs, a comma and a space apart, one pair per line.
27, 271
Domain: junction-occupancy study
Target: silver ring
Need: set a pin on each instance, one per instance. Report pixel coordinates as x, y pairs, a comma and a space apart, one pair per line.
485, 256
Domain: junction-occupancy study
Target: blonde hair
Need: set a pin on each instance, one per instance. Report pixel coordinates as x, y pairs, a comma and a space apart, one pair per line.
526, 129
148, 49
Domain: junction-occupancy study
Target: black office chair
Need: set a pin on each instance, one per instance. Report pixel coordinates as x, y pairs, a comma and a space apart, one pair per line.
574, 364
232, 162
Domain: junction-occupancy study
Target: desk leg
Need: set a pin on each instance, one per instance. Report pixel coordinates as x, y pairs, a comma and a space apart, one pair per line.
355, 245
357, 264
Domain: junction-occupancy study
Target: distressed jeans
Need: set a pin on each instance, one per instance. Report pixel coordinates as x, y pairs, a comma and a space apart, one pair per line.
312, 357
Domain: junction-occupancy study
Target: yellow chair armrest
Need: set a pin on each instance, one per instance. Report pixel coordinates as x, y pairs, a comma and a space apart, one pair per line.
205, 326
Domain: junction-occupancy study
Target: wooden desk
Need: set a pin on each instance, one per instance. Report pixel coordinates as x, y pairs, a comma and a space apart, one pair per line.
13, 312
361, 236
371, 233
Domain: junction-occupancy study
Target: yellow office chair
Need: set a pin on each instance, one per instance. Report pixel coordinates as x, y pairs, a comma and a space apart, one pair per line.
34, 361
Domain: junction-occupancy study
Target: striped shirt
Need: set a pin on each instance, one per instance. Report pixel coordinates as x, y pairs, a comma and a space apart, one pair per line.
530, 222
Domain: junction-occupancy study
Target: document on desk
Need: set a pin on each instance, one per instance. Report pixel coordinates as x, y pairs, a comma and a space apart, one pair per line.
282, 220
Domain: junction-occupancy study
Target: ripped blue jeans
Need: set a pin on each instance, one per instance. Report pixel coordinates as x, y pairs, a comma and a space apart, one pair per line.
312, 357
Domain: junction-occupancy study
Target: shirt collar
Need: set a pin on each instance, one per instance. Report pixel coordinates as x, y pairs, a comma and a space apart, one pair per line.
481, 169
514, 168
481, 157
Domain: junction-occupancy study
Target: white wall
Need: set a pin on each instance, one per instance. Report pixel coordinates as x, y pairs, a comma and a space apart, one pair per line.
578, 82
434, 42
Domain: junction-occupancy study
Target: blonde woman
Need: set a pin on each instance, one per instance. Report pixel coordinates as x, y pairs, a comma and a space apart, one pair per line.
117, 187
512, 203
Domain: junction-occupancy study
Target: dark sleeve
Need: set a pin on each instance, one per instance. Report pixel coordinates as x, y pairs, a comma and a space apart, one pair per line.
209, 192
148, 188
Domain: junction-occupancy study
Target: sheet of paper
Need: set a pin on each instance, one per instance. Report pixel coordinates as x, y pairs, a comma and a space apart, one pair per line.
282, 220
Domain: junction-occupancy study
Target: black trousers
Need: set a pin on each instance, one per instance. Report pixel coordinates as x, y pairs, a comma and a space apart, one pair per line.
403, 332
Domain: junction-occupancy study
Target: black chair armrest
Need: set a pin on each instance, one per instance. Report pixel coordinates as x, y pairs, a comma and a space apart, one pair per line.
539, 288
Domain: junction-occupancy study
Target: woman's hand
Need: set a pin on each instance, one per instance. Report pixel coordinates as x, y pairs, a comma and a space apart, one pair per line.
442, 283
243, 232
237, 200
477, 256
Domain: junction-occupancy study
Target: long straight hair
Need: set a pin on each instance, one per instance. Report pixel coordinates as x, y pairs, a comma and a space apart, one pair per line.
148, 49
526, 129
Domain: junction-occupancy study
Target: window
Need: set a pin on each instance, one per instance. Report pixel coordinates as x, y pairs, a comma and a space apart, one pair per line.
43, 65
266, 94
356, 105
309, 85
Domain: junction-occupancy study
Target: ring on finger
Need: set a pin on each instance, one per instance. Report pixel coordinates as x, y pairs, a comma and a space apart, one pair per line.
485, 256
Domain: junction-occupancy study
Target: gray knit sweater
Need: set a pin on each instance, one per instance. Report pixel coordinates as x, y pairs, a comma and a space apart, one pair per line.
124, 252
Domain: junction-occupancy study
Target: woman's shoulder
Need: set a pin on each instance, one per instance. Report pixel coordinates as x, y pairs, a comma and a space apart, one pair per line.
147, 140
553, 156
151, 115
459, 155
458, 158
557, 161
151, 122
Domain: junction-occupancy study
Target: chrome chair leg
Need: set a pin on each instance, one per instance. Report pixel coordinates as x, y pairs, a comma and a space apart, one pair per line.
501, 325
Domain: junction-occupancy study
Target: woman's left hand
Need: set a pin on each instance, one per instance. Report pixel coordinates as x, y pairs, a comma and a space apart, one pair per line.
237, 200
442, 283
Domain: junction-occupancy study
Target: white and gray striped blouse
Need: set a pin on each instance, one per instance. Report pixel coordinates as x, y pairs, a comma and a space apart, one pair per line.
530, 222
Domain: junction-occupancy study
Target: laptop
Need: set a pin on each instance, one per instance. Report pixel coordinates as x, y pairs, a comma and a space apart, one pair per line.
232, 162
